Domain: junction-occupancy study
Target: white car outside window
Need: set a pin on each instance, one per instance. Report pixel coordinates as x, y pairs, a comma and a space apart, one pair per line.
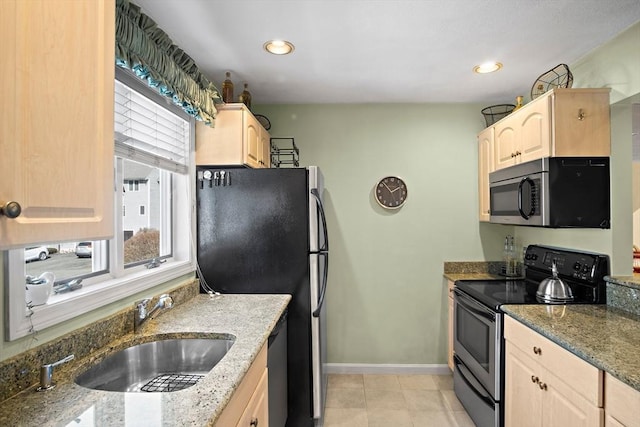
36, 253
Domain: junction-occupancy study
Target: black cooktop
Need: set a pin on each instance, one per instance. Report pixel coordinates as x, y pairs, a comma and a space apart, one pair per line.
582, 271
495, 293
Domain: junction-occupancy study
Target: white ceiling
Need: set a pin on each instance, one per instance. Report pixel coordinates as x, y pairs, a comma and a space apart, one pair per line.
388, 51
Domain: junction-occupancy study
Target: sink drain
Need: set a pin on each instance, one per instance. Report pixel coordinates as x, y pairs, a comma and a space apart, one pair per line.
171, 382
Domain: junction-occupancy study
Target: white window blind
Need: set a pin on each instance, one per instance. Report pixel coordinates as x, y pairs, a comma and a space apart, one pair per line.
148, 133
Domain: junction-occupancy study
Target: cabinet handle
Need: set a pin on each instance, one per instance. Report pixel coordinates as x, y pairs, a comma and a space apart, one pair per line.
513, 155
254, 422
581, 114
535, 379
537, 350
11, 209
543, 386
518, 153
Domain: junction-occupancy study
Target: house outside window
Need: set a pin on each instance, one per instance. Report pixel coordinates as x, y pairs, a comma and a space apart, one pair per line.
134, 185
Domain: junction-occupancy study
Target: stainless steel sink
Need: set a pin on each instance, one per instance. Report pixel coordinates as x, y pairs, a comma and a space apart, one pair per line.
157, 366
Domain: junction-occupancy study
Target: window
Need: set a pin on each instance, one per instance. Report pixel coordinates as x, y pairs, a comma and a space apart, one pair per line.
153, 162
133, 185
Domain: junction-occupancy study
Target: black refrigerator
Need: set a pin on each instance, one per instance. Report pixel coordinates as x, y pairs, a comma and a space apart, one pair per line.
264, 231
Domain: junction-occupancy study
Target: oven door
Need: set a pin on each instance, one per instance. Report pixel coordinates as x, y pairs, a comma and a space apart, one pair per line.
477, 339
483, 410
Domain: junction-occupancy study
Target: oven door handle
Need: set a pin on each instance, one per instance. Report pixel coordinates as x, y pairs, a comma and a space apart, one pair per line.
472, 383
473, 307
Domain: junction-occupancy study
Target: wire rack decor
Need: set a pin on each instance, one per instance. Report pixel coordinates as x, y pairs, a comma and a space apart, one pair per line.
558, 77
284, 153
494, 113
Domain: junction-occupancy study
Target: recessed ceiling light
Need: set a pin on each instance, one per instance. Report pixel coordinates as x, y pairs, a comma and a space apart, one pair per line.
487, 67
279, 47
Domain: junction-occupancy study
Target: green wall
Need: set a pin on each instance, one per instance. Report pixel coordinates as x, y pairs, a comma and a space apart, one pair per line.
386, 297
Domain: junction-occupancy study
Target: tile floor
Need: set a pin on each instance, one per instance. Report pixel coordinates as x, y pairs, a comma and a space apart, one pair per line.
362, 400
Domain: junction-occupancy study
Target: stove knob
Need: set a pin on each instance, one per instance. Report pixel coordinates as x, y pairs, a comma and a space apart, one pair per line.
576, 266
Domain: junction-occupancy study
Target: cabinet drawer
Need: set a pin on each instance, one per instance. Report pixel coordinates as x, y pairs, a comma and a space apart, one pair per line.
234, 410
450, 286
257, 411
584, 378
621, 403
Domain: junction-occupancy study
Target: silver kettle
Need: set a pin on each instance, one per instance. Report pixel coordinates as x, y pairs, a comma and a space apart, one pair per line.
552, 290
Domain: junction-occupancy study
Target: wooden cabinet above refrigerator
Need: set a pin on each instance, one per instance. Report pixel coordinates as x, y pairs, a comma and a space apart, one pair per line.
237, 139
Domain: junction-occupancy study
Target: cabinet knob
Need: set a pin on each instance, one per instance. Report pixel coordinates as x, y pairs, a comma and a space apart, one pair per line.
581, 114
11, 209
543, 386
534, 379
254, 422
537, 350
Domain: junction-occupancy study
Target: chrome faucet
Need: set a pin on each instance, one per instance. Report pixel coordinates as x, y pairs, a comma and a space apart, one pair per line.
142, 313
46, 373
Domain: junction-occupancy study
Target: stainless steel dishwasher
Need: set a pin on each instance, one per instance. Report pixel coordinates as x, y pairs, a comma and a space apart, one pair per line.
277, 365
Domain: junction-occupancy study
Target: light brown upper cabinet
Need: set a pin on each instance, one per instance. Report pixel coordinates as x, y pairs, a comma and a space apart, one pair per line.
485, 167
57, 78
237, 139
562, 122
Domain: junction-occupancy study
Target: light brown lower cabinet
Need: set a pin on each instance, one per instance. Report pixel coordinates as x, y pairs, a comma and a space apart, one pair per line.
249, 405
257, 412
546, 385
622, 403
450, 284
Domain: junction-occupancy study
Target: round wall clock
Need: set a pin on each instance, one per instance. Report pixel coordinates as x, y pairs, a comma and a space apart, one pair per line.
391, 192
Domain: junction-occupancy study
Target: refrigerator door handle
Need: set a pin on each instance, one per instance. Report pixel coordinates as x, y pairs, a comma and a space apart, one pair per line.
316, 312
316, 195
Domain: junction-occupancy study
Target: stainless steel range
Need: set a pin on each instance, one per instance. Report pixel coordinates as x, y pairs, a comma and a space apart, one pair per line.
478, 334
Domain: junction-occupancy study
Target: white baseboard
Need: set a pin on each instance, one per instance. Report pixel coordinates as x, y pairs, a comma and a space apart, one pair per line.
367, 368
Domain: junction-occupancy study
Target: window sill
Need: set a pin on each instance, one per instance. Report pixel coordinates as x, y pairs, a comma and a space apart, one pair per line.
67, 306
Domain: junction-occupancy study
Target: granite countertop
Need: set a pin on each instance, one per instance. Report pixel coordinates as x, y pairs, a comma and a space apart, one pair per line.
472, 270
629, 281
606, 337
249, 318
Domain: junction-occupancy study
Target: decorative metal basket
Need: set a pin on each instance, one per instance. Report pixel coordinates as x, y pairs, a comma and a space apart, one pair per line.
559, 76
496, 112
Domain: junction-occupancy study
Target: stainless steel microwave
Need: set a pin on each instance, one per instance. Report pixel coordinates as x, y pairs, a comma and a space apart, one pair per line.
553, 192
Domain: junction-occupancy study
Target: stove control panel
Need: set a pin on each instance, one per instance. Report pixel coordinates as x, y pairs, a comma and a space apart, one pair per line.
585, 266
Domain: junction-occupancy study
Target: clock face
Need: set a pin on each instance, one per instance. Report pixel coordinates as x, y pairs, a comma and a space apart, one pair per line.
391, 192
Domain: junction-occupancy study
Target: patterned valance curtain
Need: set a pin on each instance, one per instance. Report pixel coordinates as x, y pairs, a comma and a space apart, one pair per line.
149, 52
